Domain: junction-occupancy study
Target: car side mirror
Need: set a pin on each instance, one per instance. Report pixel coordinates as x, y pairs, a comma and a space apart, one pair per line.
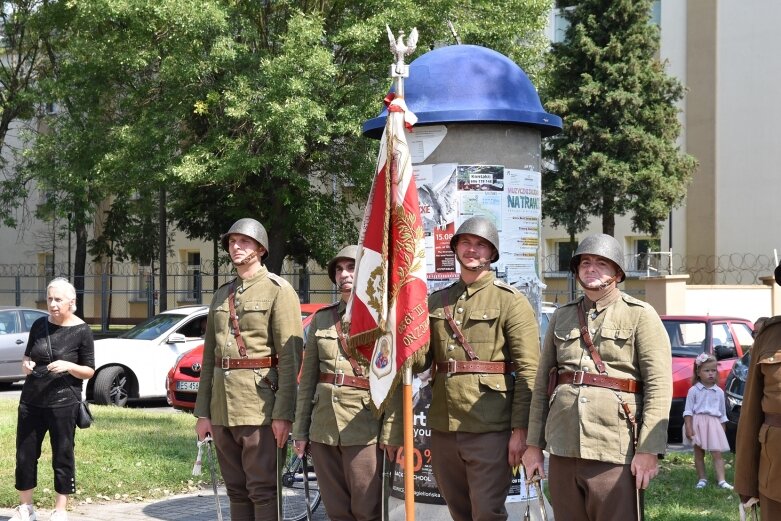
723, 352
176, 338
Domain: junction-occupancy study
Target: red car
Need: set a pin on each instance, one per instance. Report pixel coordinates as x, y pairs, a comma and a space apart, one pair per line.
182, 381
726, 338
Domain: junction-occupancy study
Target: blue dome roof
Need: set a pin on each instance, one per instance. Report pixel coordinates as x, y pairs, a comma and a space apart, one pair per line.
470, 84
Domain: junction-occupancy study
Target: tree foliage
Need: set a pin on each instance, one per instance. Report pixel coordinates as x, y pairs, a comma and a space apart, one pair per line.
617, 153
238, 108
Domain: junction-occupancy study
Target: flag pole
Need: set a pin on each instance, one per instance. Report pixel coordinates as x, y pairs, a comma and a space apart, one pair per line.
399, 71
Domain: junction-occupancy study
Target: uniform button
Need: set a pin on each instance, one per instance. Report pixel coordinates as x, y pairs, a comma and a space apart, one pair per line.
229, 344
496, 386
593, 331
238, 302
335, 399
450, 348
485, 316
340, 358
458, 322
586, 357
454, 335
583, 400
585, 369
462, 297
460, 310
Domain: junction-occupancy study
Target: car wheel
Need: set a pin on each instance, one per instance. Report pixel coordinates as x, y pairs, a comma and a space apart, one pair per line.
111, 387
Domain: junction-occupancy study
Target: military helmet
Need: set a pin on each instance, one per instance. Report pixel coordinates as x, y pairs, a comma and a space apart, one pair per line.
348, 252
777, 274
251, 228
482, 227
603, 245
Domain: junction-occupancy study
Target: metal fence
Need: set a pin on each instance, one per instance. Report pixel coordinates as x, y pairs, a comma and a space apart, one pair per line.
116, 294
126, 294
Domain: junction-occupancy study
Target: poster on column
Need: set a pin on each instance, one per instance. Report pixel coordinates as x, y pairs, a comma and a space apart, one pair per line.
449, 194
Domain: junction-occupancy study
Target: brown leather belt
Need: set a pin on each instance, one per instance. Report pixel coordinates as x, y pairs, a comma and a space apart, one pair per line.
227, 362
476, 366
773, 420
340, 379
626, 385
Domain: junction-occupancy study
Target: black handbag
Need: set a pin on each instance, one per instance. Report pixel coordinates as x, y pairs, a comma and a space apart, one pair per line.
83, 415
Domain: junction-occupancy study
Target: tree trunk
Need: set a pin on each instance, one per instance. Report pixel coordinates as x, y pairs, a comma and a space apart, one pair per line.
608, 218
163, 253
80, 263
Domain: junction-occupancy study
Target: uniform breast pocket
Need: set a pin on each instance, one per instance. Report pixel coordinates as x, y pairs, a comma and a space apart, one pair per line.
439, 331
326, 340
616, 345
255, 314
567, 341
481, 323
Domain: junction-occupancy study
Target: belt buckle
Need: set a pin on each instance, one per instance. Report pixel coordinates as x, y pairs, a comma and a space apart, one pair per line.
225, 363
577, 377
451, 367
338, 381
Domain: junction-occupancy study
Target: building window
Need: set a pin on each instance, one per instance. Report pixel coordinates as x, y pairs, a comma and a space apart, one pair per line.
564, 252
640, 259
45, 274
142, 282
193, 275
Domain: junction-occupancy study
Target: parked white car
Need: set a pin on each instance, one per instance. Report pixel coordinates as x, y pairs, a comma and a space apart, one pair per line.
134, 364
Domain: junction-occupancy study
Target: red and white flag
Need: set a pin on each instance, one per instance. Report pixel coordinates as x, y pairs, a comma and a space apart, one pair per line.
388, 311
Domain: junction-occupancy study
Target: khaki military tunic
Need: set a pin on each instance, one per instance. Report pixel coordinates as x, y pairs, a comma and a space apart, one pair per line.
758, 451
497, 320
326, 413
270, 323
588, 422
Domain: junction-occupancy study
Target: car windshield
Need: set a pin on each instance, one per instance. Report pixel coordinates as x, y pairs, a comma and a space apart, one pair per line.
152, 328
687, 339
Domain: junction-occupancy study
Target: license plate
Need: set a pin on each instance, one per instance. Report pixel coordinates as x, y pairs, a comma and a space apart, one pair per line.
187, 386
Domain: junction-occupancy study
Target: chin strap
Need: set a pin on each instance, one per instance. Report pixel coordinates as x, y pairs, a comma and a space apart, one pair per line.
602, 285
247, 258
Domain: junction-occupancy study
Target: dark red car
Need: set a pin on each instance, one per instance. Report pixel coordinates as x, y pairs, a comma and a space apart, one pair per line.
726, 338
182, 381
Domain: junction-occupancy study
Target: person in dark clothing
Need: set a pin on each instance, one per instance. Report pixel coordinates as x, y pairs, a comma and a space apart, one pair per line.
59, 356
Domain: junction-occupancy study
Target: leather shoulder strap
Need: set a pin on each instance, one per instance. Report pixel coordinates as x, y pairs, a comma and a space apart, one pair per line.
235, 321
470, 352
589, 343
343, 341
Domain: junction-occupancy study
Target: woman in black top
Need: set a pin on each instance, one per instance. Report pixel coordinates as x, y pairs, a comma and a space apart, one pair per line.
59, 355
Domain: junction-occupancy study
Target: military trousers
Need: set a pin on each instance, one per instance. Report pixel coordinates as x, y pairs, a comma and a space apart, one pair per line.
248, 461
350, 480
590, 490
472, 473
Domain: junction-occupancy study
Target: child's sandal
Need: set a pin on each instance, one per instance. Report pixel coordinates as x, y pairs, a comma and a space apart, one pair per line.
726, 486
701, 483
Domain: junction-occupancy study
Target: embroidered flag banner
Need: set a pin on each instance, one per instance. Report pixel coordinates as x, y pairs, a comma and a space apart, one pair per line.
388, 312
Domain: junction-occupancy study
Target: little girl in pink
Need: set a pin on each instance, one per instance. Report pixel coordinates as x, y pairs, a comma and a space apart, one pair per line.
704, 419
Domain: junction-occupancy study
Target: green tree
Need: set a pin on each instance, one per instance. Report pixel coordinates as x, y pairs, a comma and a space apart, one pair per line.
617, 153
244, 108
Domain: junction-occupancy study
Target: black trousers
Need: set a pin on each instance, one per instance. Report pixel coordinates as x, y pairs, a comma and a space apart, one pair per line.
32, 425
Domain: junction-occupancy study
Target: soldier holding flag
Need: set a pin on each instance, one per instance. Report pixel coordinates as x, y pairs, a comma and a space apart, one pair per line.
333, 415
484, 348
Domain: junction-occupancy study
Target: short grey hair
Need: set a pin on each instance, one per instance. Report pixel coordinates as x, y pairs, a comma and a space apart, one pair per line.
62, 283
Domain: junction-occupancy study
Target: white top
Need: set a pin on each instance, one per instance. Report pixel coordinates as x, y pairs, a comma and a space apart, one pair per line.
705, 400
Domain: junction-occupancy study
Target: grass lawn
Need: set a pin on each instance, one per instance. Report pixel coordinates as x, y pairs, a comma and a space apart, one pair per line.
133, 455
672, 496
127, 455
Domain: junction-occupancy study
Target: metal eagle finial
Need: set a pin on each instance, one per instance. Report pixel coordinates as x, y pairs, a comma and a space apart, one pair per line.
400, 50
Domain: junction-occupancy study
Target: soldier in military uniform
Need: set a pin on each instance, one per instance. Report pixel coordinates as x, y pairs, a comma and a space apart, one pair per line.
333, 414
484, 347
246, 398
758, 446
588, 403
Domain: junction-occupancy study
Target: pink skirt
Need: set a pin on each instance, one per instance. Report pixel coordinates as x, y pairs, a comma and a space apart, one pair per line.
709, 433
